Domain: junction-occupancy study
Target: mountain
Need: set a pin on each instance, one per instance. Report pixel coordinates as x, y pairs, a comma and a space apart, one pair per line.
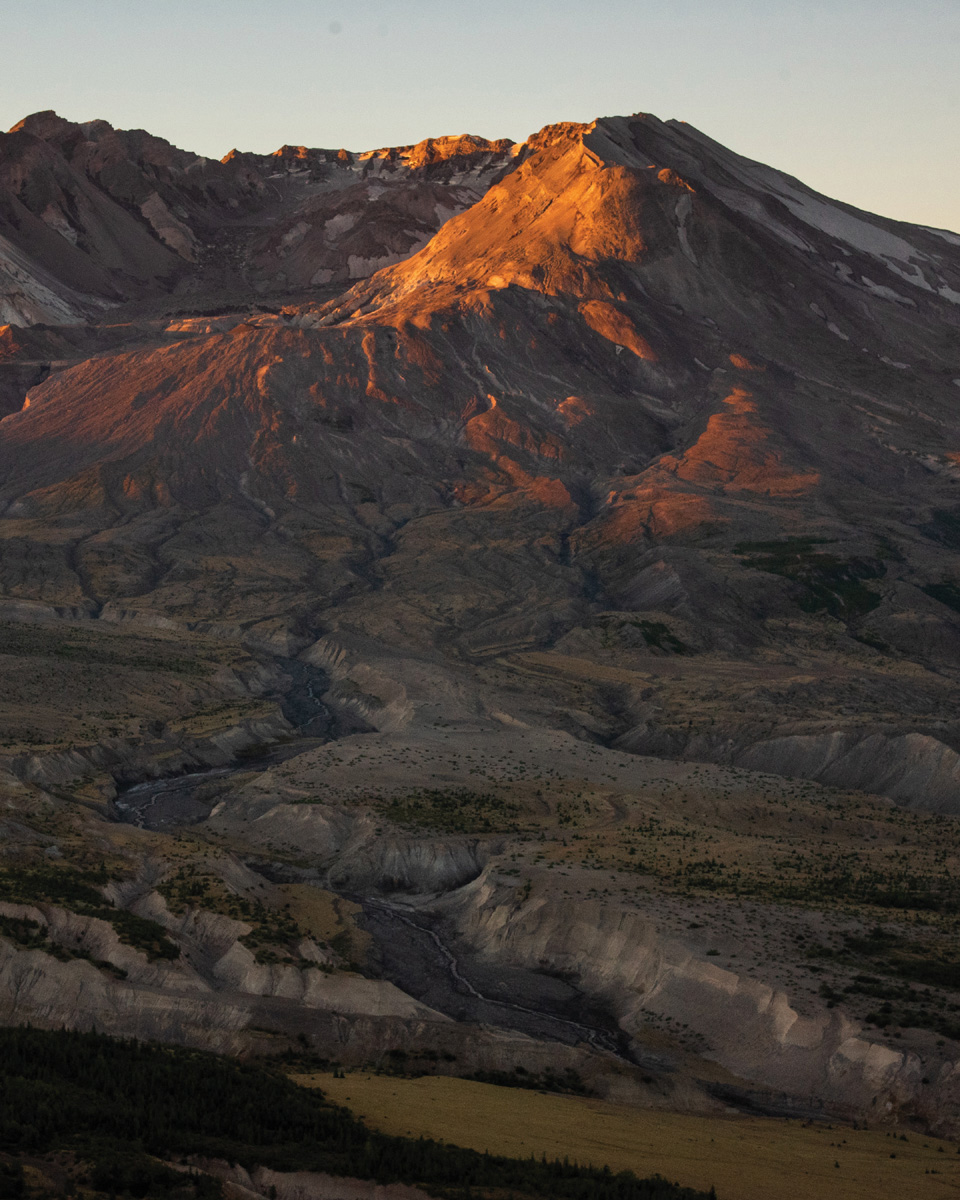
609, 448
91, 216
675, 382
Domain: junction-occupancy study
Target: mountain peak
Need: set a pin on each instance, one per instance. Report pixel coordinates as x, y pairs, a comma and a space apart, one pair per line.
43, 125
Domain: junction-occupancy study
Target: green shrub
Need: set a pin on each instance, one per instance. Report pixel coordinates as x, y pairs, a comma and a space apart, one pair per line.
827, 583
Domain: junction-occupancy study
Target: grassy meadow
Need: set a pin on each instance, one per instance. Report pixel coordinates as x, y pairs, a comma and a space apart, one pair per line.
744, 1158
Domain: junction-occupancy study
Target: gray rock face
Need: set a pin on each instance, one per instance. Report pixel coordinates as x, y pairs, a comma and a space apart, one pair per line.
747, 1026
913, 769
208, 997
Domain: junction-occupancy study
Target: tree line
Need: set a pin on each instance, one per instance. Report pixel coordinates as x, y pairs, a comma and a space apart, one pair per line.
119, 1105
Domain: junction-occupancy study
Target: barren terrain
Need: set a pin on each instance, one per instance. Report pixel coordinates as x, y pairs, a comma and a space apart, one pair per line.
476, 606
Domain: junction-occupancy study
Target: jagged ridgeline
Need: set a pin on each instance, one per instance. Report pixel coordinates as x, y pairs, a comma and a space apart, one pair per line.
118, 1111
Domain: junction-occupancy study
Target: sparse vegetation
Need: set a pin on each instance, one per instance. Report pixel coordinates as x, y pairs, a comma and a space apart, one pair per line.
944, 527
746, 1158
567, 1081
27, 934
454, 810
658, 635
78, 891
827, 584
273, 929
947, 592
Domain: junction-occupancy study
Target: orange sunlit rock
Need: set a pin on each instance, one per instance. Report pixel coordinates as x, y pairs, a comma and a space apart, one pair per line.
467, 453
737, 452
575, 409
649, 512
744, 364
9, 345
414, 348
614, 325
669, 175
493, 430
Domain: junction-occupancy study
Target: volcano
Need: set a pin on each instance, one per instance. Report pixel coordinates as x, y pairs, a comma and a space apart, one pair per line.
611, 437
631, 373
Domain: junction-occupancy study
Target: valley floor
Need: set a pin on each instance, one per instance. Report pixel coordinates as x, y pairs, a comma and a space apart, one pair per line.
744, 1158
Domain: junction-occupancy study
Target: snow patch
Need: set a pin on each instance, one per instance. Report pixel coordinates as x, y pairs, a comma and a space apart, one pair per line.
871, 239
340, 224
839, 332
885, 293
751, 207
949, 294
947, 236
896, 253
814, 212
684, 206
890, 363
916, 276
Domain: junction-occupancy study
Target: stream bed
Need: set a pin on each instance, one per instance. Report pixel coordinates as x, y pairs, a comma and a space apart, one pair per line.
420, 957
177, 800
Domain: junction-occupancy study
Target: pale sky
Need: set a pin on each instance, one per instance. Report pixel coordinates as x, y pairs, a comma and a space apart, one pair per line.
858, 98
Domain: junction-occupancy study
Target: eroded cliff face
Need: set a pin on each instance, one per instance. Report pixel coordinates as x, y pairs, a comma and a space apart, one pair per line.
659, 996
752, 983
913, 769
210, 996
747, 1026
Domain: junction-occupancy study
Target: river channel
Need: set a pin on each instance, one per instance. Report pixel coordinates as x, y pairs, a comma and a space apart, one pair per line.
420, 956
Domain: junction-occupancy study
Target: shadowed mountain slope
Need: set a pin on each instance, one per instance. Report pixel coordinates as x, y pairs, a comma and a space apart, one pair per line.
639, 384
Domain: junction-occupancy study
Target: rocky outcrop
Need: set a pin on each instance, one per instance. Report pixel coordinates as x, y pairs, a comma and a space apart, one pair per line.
747, 1026
916, 770
390, 690
349, 847
414, 865
217, 997
214, 995
171, 757
99, 215
629, 432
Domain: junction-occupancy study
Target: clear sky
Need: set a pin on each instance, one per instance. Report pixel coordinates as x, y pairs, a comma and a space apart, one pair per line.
858, 98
